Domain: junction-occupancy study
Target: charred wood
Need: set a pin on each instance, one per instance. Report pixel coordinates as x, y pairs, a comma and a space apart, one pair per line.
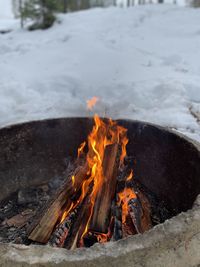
117, 228
60, 234
75, 236
138, 219
102, 208
43, 225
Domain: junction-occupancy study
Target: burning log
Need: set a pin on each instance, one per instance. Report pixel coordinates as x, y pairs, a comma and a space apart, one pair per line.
74, 239
145, 216
85, 200
60, 234
135, 212
101, 213
117, 229
43, 226
93, 237
138, 219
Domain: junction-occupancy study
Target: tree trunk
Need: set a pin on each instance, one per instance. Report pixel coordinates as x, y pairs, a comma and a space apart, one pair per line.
21, 15
65, 6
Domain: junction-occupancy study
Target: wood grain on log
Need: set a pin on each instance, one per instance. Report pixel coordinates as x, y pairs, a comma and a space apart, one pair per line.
42, 227
101, 213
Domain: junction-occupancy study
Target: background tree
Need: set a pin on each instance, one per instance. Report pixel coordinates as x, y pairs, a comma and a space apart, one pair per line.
195, 3
41, 12
21, 17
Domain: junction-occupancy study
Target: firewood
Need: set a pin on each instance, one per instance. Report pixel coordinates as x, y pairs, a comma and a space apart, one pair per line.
135, 212
128, 228
90, 238
139, 216
146, 222
19, 220
63, 230
74, 239
102, 207
117, 229
60, 234
46, 220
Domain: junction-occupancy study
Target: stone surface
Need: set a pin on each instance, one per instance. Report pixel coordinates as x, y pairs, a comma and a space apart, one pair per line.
174, 243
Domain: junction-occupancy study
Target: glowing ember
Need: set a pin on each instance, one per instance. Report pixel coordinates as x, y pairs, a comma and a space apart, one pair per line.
130, 176
124, 197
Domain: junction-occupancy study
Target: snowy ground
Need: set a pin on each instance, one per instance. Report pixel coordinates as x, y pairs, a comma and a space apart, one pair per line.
143, 63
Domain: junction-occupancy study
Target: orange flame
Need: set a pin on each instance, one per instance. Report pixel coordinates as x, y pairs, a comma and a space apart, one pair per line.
124, 197
102, 238
66, 213
103, 133
92, 102
130, 176
81, 148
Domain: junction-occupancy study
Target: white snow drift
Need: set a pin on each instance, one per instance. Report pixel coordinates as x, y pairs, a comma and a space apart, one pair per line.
143, 63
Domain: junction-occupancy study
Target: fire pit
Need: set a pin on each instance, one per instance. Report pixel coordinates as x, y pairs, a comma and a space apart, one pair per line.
166, 171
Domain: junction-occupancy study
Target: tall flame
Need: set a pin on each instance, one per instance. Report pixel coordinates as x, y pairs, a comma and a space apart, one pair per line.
103, 133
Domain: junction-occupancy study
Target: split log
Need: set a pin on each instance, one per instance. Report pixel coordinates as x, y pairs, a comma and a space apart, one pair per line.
117, 229
42, 227
66, 228
101, 214
135, 212
139, 216
146, 222
60, 234
19, 220
74, 239
90, 238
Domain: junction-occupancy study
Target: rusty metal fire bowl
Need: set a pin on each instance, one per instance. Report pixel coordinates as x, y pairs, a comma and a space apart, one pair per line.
166, 163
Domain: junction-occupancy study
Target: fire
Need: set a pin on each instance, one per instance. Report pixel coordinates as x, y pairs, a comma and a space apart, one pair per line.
66, 213
130, 176
92, 102
124, 197
81, 148
103, 134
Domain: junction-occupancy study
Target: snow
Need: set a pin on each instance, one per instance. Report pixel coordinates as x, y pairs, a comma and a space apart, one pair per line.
6, 9
142, 62
7, 21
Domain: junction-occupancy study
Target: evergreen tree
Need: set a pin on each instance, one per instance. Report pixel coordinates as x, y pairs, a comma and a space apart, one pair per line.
41, 12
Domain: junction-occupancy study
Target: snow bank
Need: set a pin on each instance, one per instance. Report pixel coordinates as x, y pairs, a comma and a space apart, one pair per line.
143, 63
6, 11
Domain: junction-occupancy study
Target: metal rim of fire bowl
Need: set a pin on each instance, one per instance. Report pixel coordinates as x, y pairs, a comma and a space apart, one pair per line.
174, 243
